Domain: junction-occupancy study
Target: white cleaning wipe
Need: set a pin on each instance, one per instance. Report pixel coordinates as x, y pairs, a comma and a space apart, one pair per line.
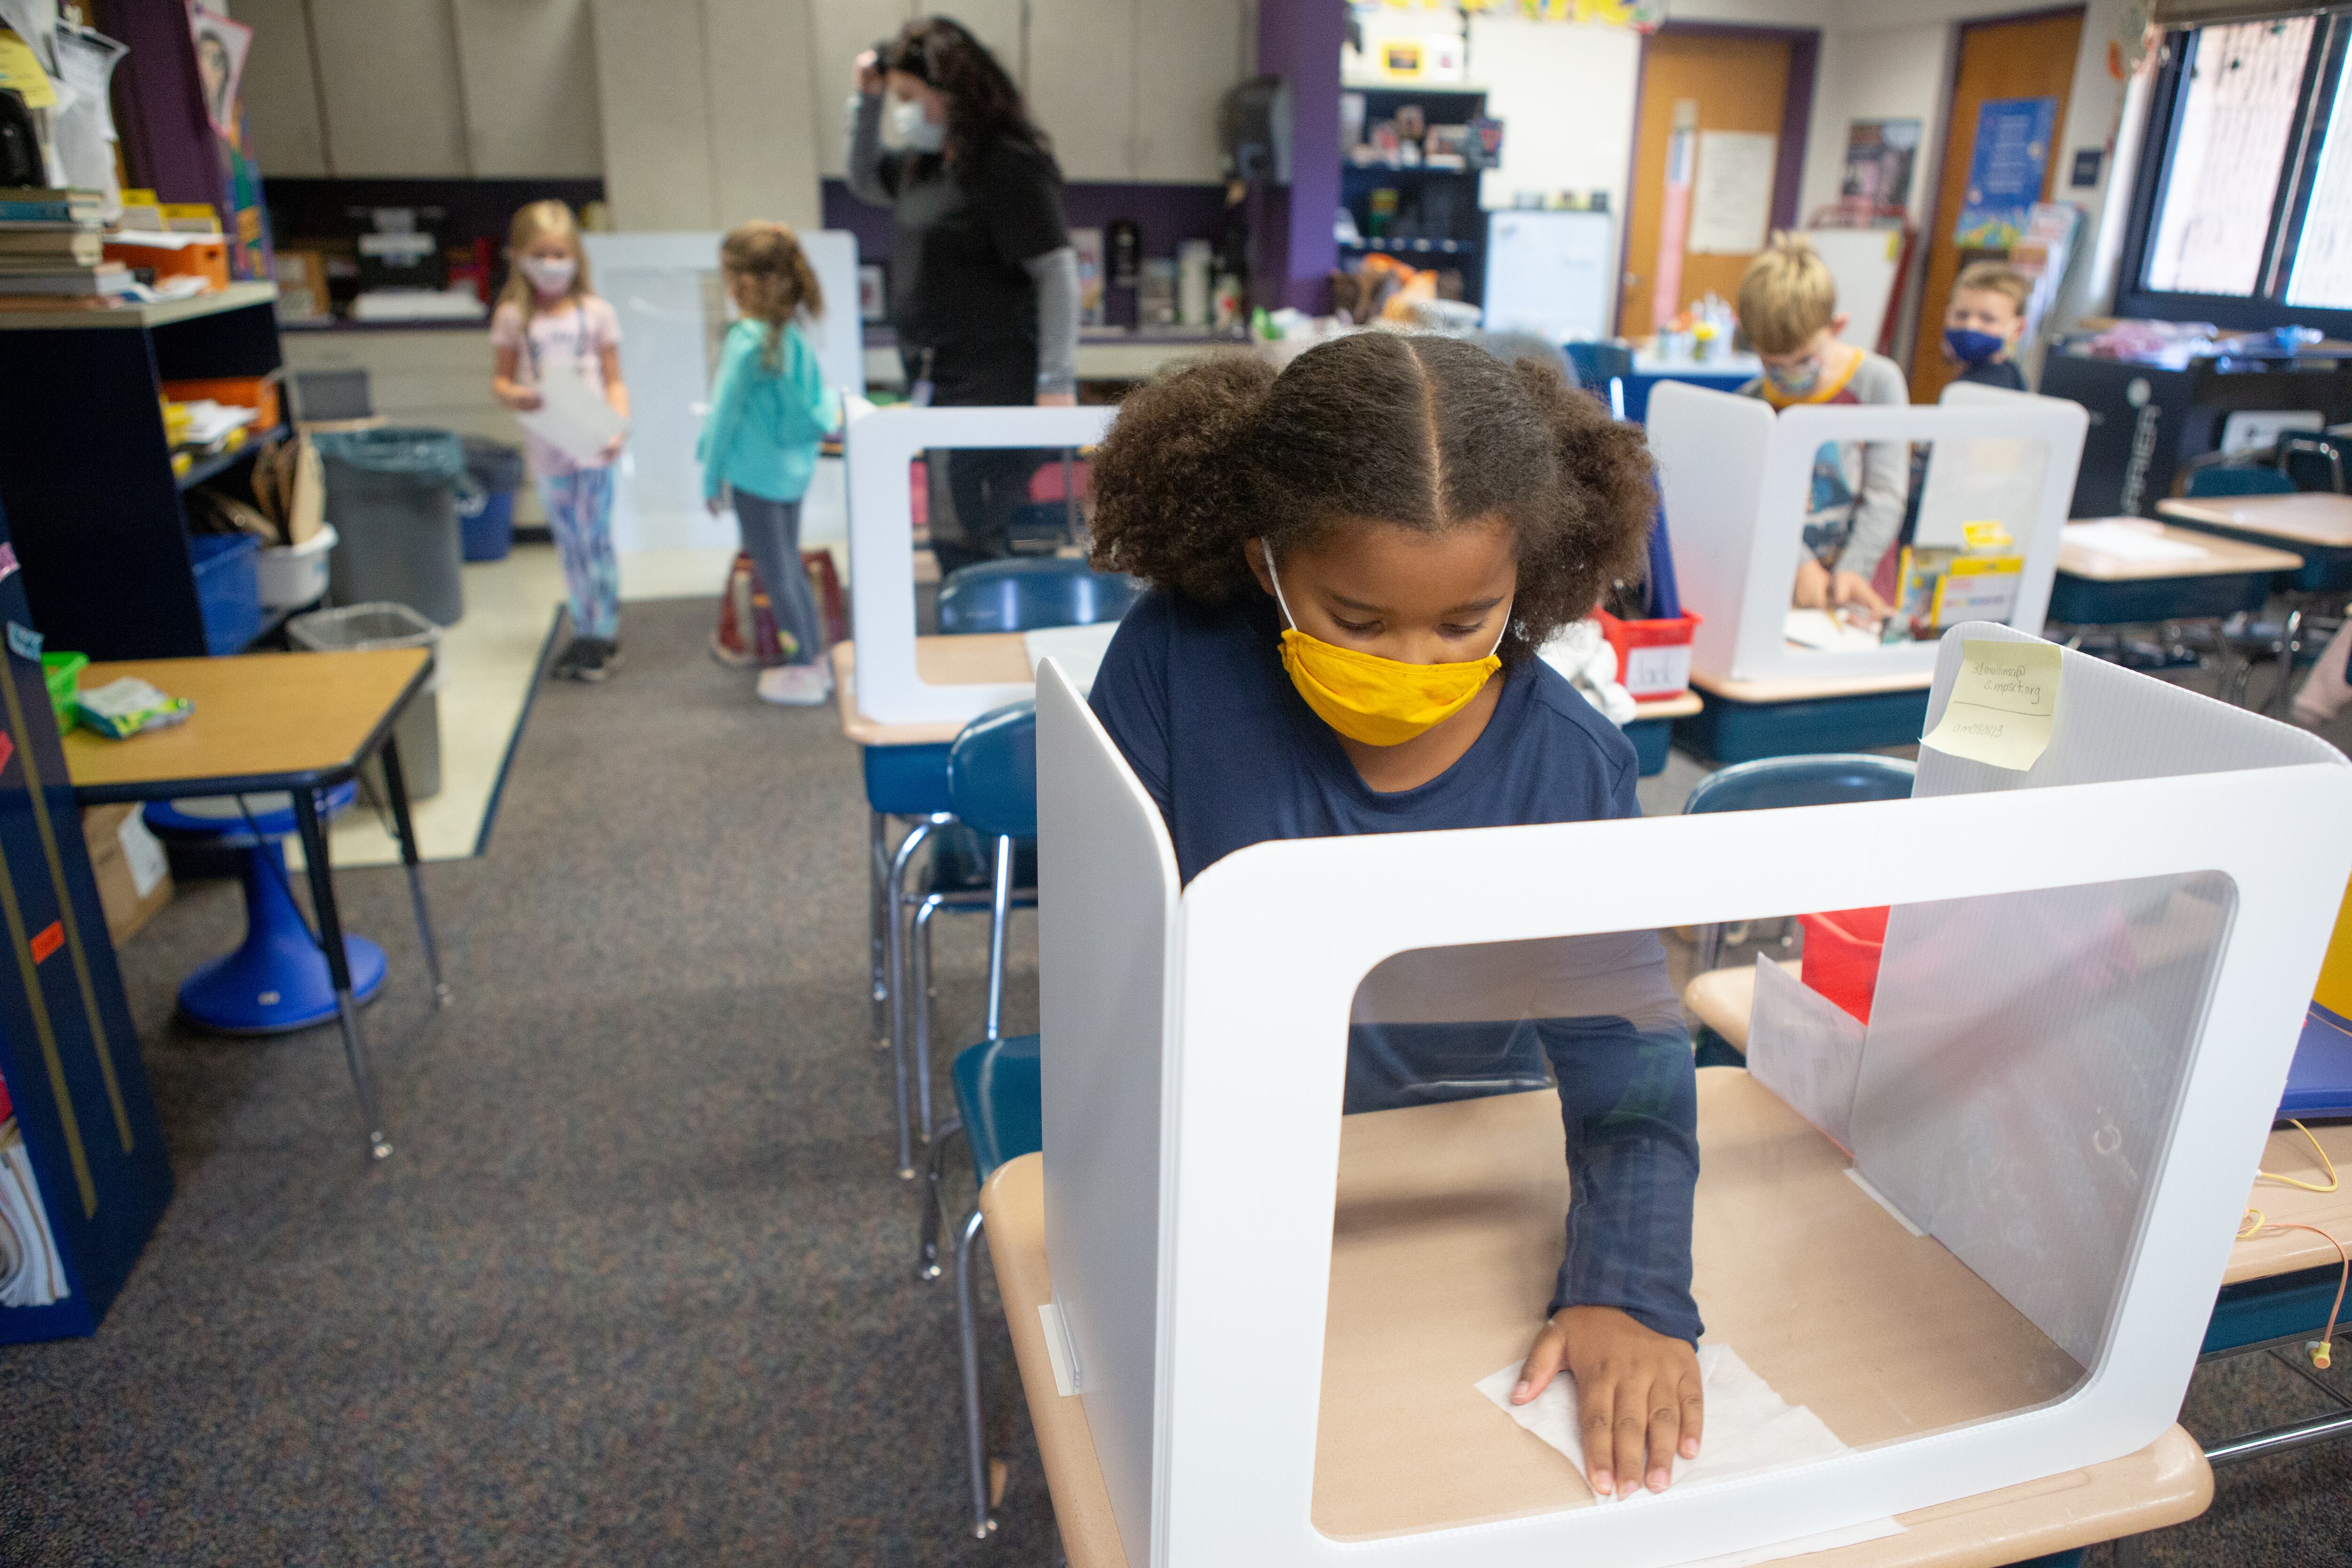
1748, 1429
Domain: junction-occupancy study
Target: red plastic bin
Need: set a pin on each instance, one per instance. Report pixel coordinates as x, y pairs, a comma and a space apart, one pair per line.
1652, 656
1841, 954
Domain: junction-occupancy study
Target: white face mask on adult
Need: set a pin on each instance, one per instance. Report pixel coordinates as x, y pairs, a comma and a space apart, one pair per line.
910, 129
551, 275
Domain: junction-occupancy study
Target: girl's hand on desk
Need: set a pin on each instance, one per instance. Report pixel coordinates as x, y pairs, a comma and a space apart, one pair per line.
1635, 1388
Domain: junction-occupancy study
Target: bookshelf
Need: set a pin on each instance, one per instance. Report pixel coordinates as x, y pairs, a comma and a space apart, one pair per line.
86, 479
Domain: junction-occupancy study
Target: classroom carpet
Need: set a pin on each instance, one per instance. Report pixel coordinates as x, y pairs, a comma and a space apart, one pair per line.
637, 1287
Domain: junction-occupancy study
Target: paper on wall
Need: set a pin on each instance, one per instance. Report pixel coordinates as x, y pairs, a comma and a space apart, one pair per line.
1750, 1429
572, 418
1731, 202
2003, 705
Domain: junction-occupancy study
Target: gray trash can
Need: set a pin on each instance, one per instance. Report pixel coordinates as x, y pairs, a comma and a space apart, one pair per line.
419, 732
391, 494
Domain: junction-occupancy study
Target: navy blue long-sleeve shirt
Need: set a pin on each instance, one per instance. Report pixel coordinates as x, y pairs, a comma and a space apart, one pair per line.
1197, 700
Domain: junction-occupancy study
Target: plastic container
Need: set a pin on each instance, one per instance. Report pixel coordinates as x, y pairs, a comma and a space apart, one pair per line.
485, 520
62, 672
391, 494
358, 628
293, 576
1652, 656
228, 589
1841, 952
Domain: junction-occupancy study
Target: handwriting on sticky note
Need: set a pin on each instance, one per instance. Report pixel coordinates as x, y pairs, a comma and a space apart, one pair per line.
2004, 704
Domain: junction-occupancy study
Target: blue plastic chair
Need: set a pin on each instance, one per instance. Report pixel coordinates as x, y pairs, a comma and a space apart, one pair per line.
1000, 1110
1023, 595
984, 859
1838, 778
276, 979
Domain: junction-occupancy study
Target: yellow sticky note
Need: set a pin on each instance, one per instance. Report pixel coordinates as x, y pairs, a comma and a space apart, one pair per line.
2002, 705
20, 69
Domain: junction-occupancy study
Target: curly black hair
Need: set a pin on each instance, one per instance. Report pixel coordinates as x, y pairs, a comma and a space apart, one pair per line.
1424, 432
983, 103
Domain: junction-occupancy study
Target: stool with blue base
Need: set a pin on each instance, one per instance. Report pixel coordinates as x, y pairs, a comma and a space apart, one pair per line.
278, 978
999, 1108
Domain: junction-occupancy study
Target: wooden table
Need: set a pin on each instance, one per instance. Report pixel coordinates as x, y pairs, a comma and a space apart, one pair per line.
981, 659
1746, 720
1447, 1224
301, 723
2093, 589
2316, 527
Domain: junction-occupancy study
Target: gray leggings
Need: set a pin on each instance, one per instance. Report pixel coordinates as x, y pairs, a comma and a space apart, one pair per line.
771, 532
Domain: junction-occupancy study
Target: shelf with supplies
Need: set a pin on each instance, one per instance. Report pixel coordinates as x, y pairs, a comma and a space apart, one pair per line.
95, 510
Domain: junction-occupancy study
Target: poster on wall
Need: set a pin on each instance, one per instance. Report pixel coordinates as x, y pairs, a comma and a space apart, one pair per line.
2006, 171
1731, 205
221, 45
1880, 155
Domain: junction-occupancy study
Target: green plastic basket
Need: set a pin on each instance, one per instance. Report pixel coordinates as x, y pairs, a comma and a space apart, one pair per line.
63, 672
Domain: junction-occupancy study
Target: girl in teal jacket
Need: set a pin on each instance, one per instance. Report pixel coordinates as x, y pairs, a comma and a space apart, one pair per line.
769, 410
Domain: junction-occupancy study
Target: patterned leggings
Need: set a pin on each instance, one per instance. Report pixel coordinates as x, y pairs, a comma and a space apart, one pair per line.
580, 514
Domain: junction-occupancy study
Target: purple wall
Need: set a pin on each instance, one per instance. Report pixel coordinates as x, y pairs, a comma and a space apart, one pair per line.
1299, 41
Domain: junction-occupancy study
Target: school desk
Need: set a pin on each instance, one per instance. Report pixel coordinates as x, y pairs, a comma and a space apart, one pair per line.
1745, 720
2279, 1285
2317, 527
301, 723
1420, 1311
2093, 589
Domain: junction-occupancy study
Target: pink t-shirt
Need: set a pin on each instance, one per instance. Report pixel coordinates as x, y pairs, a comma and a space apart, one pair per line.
568, 339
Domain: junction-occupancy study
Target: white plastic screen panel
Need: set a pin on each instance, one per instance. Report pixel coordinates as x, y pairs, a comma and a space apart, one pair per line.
880, 445
672, 304
1107, 931
1273, 945
1737, 480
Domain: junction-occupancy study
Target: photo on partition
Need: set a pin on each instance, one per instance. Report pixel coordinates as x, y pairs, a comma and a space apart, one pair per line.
1880, 155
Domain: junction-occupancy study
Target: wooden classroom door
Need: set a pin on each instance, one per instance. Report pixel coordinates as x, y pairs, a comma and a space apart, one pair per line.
1737, 83
2027, 57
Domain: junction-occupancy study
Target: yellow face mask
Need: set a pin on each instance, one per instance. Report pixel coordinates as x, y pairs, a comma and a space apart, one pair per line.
1380, 701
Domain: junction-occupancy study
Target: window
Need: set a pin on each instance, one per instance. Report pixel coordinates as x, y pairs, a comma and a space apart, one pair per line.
2243, 210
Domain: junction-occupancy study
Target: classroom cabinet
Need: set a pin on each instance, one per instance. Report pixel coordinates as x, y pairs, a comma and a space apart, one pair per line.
1130, 91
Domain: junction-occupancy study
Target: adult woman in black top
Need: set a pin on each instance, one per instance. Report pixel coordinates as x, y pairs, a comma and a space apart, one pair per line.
983, 282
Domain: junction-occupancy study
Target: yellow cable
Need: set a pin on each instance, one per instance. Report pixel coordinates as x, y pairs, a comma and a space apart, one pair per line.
2333, 1181
2322, 1349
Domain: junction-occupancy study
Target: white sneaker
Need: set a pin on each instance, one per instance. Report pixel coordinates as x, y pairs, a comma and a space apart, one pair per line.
796, 685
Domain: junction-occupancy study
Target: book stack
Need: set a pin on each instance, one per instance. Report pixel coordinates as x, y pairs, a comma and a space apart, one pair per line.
50, 243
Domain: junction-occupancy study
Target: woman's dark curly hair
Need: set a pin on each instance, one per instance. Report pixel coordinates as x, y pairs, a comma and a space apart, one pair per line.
984, 104
1427, 433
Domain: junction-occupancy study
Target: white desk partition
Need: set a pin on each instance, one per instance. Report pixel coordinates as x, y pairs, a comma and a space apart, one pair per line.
1735, 478
879, 444
666, 289
1194, 1051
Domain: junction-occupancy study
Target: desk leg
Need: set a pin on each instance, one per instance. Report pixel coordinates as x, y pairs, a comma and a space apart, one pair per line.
338, 967
984, 1525
395, 786
878, 870
895, 899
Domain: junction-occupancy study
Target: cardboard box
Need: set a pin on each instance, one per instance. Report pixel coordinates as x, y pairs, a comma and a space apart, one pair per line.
134, 877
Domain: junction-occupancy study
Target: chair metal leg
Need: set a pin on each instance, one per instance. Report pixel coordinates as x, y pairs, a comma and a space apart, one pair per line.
1710, 949
968, 1331
1000, 915
896, 894
2290, 645
921, 1064
877, 872
934, 1217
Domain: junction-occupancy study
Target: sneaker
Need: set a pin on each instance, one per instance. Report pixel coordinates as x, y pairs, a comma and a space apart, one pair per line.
796, 685
600, 659
567, 663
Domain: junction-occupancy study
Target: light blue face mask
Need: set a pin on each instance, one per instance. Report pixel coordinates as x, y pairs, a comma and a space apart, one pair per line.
911, 131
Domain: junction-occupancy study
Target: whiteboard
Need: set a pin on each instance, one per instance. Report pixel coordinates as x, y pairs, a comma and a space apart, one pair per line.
1550, 272
1864, 263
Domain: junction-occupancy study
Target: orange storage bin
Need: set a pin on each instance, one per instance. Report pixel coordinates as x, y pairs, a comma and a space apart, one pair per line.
1841, 952
206, 259
258, 393
1652, 656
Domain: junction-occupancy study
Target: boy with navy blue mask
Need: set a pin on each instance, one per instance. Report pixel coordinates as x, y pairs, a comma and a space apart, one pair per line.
1984, 322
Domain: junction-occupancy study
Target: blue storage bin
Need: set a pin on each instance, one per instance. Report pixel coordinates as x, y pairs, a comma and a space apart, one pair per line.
228, 589
485, 525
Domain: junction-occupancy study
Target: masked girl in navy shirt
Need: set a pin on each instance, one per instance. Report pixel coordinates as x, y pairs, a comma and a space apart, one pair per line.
1353, 563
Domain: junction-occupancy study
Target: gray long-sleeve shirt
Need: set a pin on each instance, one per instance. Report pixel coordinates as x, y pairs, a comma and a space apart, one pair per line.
1855, 508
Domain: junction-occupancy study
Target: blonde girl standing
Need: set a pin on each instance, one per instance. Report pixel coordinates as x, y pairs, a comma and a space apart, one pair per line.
548, 323
770, 407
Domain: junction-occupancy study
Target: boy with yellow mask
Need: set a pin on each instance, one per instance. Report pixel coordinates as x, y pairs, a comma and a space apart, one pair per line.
1353, 563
